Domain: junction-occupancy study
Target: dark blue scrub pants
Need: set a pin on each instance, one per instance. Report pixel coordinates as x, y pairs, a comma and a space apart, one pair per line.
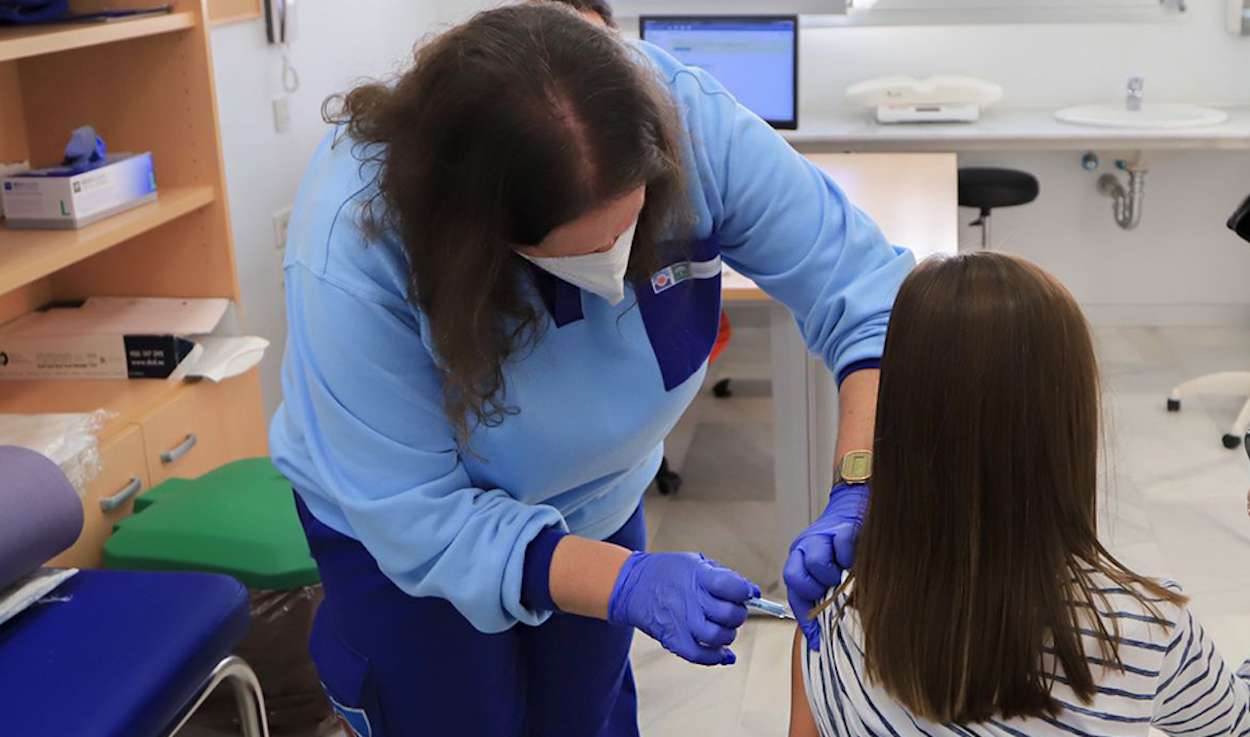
399, 666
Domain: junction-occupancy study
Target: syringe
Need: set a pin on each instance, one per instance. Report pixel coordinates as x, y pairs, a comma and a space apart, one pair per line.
771, 608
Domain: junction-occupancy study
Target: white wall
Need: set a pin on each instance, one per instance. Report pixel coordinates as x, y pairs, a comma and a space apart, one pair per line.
1181, 266
338, 42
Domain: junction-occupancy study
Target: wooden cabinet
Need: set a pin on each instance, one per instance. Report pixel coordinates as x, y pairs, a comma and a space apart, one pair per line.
109, 498
154, 93
183, 438
226, 422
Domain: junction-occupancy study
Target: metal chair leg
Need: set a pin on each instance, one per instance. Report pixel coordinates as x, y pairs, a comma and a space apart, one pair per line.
1227, 382
1240, 426
983, 222
247, 694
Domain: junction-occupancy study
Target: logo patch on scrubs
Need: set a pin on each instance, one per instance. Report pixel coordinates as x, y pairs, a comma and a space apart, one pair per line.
662, 279
671, 276
682, 311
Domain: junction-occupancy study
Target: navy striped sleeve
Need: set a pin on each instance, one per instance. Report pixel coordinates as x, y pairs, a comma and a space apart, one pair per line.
536, 576
867, 363
1198, 695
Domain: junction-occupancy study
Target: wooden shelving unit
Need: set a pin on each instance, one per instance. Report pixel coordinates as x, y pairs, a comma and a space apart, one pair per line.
29, 255
125, 399
221, 12
146, 85
18, 42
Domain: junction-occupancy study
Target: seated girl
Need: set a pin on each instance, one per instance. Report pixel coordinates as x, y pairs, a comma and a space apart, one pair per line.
981, 602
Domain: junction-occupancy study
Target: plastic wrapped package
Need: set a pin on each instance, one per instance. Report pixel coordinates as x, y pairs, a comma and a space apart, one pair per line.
68, 439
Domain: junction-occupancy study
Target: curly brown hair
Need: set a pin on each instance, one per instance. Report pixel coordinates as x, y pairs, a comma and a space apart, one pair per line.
520, 120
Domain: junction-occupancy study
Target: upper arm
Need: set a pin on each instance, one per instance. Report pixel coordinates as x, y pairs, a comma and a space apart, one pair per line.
371, 394
367, 396
787, 225
802, 723
1197, 694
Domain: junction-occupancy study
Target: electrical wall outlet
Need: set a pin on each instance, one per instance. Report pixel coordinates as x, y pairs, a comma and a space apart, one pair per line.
281, 224
282, 114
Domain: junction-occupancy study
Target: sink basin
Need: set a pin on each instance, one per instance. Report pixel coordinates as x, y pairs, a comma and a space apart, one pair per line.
1151, 115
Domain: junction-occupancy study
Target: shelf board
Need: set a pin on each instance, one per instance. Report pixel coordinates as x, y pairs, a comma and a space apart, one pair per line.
130, 400
18, 42
29, 255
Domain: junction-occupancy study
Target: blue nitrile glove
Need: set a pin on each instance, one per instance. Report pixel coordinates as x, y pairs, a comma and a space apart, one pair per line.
822, 552
689, 604
85, 148
31, 11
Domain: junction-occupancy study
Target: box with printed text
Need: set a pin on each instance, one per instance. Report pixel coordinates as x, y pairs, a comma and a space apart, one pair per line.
61, 197
128, 337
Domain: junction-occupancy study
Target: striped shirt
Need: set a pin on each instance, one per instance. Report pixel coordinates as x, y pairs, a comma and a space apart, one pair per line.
1173, 680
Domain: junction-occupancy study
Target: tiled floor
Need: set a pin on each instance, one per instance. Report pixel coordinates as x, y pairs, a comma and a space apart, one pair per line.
1175, 506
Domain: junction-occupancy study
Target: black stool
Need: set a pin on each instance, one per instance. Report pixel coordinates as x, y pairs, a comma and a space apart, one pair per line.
988, 188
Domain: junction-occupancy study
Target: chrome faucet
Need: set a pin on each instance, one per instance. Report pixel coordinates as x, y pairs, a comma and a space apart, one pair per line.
1136, 91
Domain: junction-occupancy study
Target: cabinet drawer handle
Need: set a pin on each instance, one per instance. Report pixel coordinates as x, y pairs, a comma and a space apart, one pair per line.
175, 454
111, 503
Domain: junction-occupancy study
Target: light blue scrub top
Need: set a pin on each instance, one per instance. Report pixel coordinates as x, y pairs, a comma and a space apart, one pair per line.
362, 434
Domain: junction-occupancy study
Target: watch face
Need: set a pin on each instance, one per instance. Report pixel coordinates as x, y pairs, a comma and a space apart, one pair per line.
857, 466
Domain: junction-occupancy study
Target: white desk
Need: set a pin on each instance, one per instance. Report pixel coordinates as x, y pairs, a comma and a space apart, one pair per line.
1006, 128
914, 199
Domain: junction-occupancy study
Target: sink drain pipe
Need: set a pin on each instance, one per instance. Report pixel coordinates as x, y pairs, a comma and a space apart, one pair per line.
1127, 204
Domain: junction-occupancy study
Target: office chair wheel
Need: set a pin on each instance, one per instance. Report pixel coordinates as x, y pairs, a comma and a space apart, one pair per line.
1174, 405
721, 389
667, 482
1231, 442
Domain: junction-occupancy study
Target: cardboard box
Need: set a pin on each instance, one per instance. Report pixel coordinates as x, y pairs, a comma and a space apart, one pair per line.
59, 198
110, 338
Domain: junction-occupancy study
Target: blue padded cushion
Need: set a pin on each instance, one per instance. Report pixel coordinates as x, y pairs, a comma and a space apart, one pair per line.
117, 653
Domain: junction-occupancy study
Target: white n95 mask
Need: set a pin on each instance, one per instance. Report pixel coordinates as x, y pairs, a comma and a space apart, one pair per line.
598, 273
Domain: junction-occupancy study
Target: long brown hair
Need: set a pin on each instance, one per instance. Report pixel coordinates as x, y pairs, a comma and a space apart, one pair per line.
506, 127
980, 540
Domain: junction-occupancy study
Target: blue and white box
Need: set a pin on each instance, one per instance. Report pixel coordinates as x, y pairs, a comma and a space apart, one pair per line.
61, 198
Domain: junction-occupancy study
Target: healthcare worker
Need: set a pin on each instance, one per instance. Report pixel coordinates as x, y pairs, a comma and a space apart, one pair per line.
503, 284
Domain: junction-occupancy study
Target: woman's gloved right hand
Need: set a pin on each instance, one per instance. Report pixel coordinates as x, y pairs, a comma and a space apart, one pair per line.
691, 605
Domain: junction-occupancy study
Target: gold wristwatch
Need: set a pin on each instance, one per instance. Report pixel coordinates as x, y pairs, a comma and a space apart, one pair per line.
855, 468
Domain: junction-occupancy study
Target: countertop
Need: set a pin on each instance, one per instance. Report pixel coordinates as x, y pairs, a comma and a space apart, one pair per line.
1006, 128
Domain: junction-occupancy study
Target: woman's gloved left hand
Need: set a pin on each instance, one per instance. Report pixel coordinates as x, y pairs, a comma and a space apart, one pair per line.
691, 605
822, 552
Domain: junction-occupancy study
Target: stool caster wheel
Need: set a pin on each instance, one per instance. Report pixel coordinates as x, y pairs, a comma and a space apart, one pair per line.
1174, 405
721, 389
1231, 442
667, 482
